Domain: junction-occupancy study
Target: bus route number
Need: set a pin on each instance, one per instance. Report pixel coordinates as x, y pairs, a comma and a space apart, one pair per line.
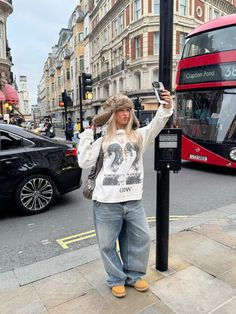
230, 71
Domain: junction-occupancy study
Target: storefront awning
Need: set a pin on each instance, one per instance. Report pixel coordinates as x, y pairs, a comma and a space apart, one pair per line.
11, 95
2, 96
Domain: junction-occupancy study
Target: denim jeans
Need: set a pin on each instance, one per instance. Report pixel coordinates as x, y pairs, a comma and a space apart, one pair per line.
126, 221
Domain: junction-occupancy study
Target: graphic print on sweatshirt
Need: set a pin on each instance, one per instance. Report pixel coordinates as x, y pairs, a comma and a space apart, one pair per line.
122, 166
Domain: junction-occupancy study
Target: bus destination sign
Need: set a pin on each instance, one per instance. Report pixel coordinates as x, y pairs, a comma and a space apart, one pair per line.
209, 73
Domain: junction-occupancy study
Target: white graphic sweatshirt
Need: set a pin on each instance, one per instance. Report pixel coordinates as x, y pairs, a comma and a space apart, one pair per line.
121, 177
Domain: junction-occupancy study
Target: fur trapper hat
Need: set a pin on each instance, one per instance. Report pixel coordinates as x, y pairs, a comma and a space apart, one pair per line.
113, 104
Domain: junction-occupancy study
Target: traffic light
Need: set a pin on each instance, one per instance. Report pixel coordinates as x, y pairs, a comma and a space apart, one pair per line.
65, 101
86, 85
62, 102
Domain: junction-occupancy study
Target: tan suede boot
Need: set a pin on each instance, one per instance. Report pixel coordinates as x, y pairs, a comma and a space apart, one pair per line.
118, 291
140, 285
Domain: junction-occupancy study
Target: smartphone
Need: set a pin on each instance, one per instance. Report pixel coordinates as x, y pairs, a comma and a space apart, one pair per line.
158, 87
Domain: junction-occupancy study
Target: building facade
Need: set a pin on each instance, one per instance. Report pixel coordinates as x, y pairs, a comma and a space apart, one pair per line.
61, 70
117, 41
6, 78
124, 43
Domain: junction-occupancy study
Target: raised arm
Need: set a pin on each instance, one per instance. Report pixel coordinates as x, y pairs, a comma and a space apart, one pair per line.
160, 119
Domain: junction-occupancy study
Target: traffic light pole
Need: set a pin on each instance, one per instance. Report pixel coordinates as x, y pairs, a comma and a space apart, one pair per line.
163, 176
81, 104
65, 105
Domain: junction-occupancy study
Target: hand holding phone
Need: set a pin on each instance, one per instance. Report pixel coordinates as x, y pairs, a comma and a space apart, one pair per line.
158, 87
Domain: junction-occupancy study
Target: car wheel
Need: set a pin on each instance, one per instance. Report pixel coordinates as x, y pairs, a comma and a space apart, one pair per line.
35, 194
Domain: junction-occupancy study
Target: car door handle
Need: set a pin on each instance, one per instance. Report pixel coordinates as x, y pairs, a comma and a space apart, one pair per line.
8, 160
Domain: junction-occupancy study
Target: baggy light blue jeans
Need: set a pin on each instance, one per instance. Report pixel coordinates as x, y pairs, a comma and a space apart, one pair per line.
126, 221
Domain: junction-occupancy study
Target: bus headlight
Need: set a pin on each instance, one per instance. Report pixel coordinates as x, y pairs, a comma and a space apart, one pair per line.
232, 154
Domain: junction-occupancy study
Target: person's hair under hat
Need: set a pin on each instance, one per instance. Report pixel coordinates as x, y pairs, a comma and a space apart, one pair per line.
114, 104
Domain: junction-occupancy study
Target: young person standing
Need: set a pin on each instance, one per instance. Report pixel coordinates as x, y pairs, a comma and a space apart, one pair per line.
117, 197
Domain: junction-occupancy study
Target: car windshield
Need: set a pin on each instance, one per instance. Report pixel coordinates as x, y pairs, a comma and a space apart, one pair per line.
208, 115
210, 42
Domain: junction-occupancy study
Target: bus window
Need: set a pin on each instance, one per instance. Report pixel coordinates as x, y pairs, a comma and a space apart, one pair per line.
210, 42
231, 135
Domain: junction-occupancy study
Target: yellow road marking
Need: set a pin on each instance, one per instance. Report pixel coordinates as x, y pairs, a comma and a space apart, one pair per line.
64, 242
75, 238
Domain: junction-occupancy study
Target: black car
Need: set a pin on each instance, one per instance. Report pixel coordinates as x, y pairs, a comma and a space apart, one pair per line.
34, 168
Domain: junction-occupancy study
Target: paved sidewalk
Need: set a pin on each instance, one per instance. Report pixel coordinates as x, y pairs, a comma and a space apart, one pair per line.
201, 277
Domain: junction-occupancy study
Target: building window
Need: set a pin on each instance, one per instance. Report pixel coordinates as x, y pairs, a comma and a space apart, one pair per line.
68, 74
81, 37
58, 81
116, 57
137, 80
114, 87
106, 91
71, 72
121, 86
137, 9
120, 55
76, 66
156, 8
105, 36
216, 14
156, 40
121, 19
137, 47
183, 7
115, 27
52, 87
181, 42
105, 8
156, 75
2, 40
81, 63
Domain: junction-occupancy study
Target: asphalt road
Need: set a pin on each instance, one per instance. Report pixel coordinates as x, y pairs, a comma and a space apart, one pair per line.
68, 225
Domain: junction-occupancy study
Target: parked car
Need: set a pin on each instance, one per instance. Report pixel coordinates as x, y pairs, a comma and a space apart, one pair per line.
34, 168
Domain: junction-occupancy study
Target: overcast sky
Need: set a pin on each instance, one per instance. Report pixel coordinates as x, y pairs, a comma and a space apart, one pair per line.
32, 29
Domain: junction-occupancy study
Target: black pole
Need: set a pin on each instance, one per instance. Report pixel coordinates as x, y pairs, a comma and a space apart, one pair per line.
163, 176
166, 43
65, 106
138, 106
162, 219
81, 104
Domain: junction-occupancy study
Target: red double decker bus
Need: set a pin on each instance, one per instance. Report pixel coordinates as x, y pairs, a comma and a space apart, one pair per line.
206, 93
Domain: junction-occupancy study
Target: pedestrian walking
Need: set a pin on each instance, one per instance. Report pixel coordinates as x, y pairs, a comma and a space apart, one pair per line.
1, 119
69, 132
47, 129
117, 197
13, 120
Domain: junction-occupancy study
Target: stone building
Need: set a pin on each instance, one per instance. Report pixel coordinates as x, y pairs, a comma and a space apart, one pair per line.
8, 95
117, 41
124, 43
62, 68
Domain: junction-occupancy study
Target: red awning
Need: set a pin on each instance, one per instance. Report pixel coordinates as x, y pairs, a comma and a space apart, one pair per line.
11, 95
2, 96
